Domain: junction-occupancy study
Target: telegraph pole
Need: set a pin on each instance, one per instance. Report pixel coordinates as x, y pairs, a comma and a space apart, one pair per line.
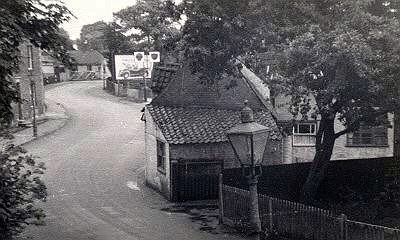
33, 106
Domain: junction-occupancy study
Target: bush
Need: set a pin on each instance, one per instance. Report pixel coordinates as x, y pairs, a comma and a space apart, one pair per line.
20, 190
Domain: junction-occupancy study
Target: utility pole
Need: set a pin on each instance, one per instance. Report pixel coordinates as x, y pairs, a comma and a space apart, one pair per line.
145, 77
18, 86
33, 106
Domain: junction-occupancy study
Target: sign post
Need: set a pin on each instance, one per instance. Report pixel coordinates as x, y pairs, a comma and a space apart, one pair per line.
137, 66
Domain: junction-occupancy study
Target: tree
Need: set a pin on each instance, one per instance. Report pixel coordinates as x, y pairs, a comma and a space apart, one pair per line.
151, 22
347, 59
214, 34
92, 37
66, 39
343, 54
20, 186
26, 20
115, 42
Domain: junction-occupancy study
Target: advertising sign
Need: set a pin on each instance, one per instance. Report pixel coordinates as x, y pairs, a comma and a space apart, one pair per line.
132, 66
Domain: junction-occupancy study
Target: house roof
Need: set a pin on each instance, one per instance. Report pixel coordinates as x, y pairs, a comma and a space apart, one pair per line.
186, 89
162, 76
91, 57
185, 125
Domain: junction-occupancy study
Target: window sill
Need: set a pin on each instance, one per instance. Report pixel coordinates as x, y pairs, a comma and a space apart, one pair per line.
366, 146
303, 145
161, 170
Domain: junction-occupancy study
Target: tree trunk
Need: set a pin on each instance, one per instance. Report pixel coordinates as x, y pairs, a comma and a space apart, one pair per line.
325, 141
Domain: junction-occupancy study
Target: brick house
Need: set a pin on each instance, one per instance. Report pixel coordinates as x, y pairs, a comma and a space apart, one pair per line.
29, 70
186, 124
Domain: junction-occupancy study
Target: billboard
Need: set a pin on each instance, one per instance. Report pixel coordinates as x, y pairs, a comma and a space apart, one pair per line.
135, 66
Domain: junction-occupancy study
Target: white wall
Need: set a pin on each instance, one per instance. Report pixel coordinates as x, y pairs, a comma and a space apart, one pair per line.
341, 151
153, 176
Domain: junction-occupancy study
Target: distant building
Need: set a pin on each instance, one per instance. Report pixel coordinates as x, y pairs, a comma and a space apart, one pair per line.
30, 71
53, 70
87, 65
186, 125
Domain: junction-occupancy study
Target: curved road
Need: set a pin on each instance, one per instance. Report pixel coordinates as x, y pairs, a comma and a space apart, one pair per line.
92, 169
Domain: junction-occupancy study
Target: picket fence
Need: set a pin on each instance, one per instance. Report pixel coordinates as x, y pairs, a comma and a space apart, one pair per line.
299, 220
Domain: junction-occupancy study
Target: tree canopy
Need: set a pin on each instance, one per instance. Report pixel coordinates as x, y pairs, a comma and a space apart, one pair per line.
92, 36
26, 20
343, 54
151, 22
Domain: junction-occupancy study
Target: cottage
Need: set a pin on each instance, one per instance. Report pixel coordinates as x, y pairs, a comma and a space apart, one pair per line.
87, 65
28, 81
186, 124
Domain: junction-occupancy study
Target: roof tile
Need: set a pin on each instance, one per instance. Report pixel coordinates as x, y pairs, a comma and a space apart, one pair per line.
181, 125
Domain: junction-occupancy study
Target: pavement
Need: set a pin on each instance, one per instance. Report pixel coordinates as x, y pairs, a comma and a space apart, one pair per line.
94, 151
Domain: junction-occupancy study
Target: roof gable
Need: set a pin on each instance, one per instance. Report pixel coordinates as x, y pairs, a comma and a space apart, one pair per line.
185, 89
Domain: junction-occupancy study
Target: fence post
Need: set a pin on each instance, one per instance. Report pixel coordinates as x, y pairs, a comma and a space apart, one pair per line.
270, 214
220, 199
342, 221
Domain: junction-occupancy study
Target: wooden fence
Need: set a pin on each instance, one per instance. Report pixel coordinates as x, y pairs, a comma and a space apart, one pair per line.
299, 220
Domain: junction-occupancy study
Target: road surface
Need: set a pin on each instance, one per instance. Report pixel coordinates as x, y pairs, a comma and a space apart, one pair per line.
93, 164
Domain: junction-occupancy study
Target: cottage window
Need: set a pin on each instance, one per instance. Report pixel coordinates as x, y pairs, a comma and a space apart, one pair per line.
161, 156
30, 57
304, 134
368, 136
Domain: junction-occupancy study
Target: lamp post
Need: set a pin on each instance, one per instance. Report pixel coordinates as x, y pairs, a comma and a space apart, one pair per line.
248, 140
18, 86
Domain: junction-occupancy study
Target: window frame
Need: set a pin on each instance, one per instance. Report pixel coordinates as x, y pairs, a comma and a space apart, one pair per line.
30, 57
161, 152
298, 134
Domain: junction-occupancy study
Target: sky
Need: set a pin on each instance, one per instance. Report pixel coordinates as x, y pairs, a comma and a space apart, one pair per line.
87, 12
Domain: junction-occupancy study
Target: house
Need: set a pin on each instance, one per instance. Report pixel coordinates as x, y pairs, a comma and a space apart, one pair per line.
299, 143
185, 131
53, 70
87, 65
28, 80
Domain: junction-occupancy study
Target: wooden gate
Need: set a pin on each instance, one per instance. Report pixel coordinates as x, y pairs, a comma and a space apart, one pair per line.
195, 179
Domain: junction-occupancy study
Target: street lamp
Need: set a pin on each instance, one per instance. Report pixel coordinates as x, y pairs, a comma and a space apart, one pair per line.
248, 140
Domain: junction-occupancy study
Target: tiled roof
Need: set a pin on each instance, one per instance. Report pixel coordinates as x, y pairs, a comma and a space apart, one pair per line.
182, 125
162, 75
91, 57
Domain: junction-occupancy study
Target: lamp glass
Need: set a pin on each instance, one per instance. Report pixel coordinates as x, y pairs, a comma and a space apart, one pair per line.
241, 143
259, 143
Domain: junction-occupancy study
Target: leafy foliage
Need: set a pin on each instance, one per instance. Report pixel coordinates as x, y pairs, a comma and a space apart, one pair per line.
92, 37
26, 20
151, 22
20, 189
336, 59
